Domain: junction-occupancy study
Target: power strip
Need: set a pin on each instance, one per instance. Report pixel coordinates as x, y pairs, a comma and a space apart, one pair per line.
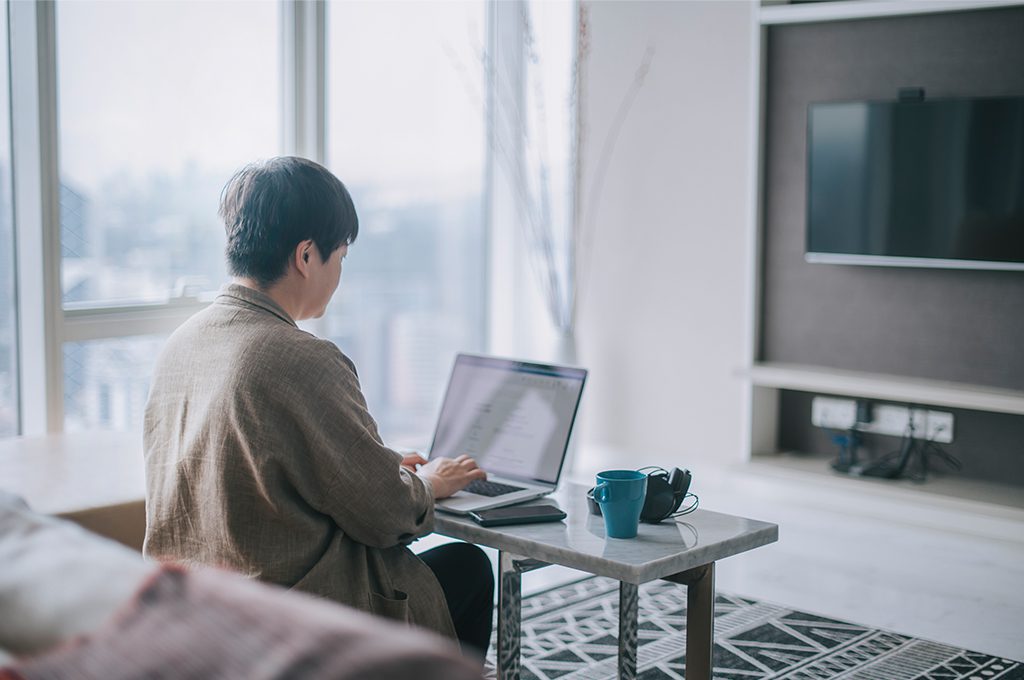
888, 419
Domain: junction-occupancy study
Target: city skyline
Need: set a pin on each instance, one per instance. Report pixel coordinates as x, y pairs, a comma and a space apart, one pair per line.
409, 291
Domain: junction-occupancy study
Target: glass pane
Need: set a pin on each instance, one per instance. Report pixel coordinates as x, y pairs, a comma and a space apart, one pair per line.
8, 310
106, 382
159, 104
406, 135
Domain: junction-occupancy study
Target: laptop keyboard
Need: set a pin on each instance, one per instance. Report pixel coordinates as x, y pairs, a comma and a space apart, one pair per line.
483, 488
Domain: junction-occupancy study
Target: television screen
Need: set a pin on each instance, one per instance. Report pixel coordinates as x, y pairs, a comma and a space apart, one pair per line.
934, 183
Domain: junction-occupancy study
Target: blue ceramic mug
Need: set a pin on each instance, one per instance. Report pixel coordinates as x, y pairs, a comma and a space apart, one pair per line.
621, 493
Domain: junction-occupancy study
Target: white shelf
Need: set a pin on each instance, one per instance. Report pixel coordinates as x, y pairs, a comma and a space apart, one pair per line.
841, 10
886, 387
948, 495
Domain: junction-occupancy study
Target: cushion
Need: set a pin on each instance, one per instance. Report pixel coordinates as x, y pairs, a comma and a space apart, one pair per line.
58, 580
207, 623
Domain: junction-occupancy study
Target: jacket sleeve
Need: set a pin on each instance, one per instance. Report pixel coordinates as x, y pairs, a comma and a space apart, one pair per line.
354, 478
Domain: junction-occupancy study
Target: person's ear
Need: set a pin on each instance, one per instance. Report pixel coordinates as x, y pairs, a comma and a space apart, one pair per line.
301, 256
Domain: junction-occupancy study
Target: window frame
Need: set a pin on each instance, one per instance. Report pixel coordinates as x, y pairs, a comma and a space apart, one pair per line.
8, 130
44, 323
36, 212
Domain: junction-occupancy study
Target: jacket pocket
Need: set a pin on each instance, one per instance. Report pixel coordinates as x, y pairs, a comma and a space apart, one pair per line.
396, 607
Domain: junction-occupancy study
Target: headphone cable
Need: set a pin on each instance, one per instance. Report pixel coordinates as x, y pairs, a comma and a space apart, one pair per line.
687, 510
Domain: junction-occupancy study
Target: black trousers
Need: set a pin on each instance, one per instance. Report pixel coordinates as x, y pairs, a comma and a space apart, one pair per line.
467, 580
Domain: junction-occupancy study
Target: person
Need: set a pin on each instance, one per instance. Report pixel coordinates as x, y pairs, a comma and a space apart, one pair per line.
260, 453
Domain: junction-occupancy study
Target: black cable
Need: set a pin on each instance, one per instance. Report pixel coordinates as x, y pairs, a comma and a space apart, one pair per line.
911, 460
690, 508
948, 458
887, 461
908, 446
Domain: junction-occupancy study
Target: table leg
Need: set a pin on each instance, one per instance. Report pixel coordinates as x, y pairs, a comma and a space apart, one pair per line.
700, 624
700, 619
510, 601
629, 598
509, 612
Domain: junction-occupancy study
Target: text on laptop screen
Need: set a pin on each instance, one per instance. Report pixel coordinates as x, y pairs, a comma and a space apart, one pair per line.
513, 417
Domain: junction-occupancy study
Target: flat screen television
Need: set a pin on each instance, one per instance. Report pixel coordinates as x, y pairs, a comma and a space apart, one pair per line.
927, 183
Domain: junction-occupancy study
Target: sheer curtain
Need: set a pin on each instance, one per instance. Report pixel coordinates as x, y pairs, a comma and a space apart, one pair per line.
535, 87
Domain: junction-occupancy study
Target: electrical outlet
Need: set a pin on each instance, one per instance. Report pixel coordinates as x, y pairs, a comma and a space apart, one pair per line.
888, 419
835, 414
896, 421
892, 420
939, 427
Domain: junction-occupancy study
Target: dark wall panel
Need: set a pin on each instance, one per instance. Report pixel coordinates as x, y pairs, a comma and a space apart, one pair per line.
963, 326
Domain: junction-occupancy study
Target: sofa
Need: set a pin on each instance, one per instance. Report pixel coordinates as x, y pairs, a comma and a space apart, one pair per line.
78, 606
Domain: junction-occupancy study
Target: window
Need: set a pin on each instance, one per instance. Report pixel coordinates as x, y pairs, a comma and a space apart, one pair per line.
8, 308
149, 107
106, 382
406, 135
158, 106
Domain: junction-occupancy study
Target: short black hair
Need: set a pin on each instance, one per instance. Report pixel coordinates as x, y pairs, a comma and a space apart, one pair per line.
270, 206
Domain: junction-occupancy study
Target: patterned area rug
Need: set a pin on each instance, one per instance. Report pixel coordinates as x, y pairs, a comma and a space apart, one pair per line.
570, 632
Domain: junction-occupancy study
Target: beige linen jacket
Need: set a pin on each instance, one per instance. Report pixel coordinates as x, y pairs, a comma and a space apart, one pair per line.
262, 457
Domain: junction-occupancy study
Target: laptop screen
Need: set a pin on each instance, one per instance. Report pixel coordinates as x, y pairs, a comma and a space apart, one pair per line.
513, 417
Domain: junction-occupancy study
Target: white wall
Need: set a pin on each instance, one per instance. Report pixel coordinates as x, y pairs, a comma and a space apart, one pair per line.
664, 309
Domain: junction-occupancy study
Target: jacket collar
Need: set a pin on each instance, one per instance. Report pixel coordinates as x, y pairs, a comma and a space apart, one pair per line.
237, 295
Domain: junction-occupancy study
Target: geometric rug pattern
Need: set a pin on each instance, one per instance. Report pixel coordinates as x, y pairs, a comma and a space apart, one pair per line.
570, 633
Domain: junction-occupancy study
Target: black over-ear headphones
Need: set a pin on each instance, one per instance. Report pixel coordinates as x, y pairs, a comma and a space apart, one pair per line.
665, 493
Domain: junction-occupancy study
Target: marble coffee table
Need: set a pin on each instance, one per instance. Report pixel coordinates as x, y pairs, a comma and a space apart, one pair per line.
683, 551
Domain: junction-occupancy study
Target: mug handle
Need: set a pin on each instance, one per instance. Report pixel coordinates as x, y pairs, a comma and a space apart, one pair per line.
601, 492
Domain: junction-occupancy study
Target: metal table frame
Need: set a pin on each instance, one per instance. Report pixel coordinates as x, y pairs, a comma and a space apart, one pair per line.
700, 618
664, 551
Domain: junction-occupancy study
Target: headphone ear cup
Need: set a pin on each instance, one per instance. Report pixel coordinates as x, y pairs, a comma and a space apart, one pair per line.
679, 480
660, 500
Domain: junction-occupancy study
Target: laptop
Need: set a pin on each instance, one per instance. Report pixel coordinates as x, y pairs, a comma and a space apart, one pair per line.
514, 418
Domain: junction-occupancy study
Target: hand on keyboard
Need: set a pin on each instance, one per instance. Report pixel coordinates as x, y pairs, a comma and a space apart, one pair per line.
448, 475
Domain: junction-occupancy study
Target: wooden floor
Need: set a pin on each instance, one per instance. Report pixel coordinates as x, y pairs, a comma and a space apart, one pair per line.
915, 562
